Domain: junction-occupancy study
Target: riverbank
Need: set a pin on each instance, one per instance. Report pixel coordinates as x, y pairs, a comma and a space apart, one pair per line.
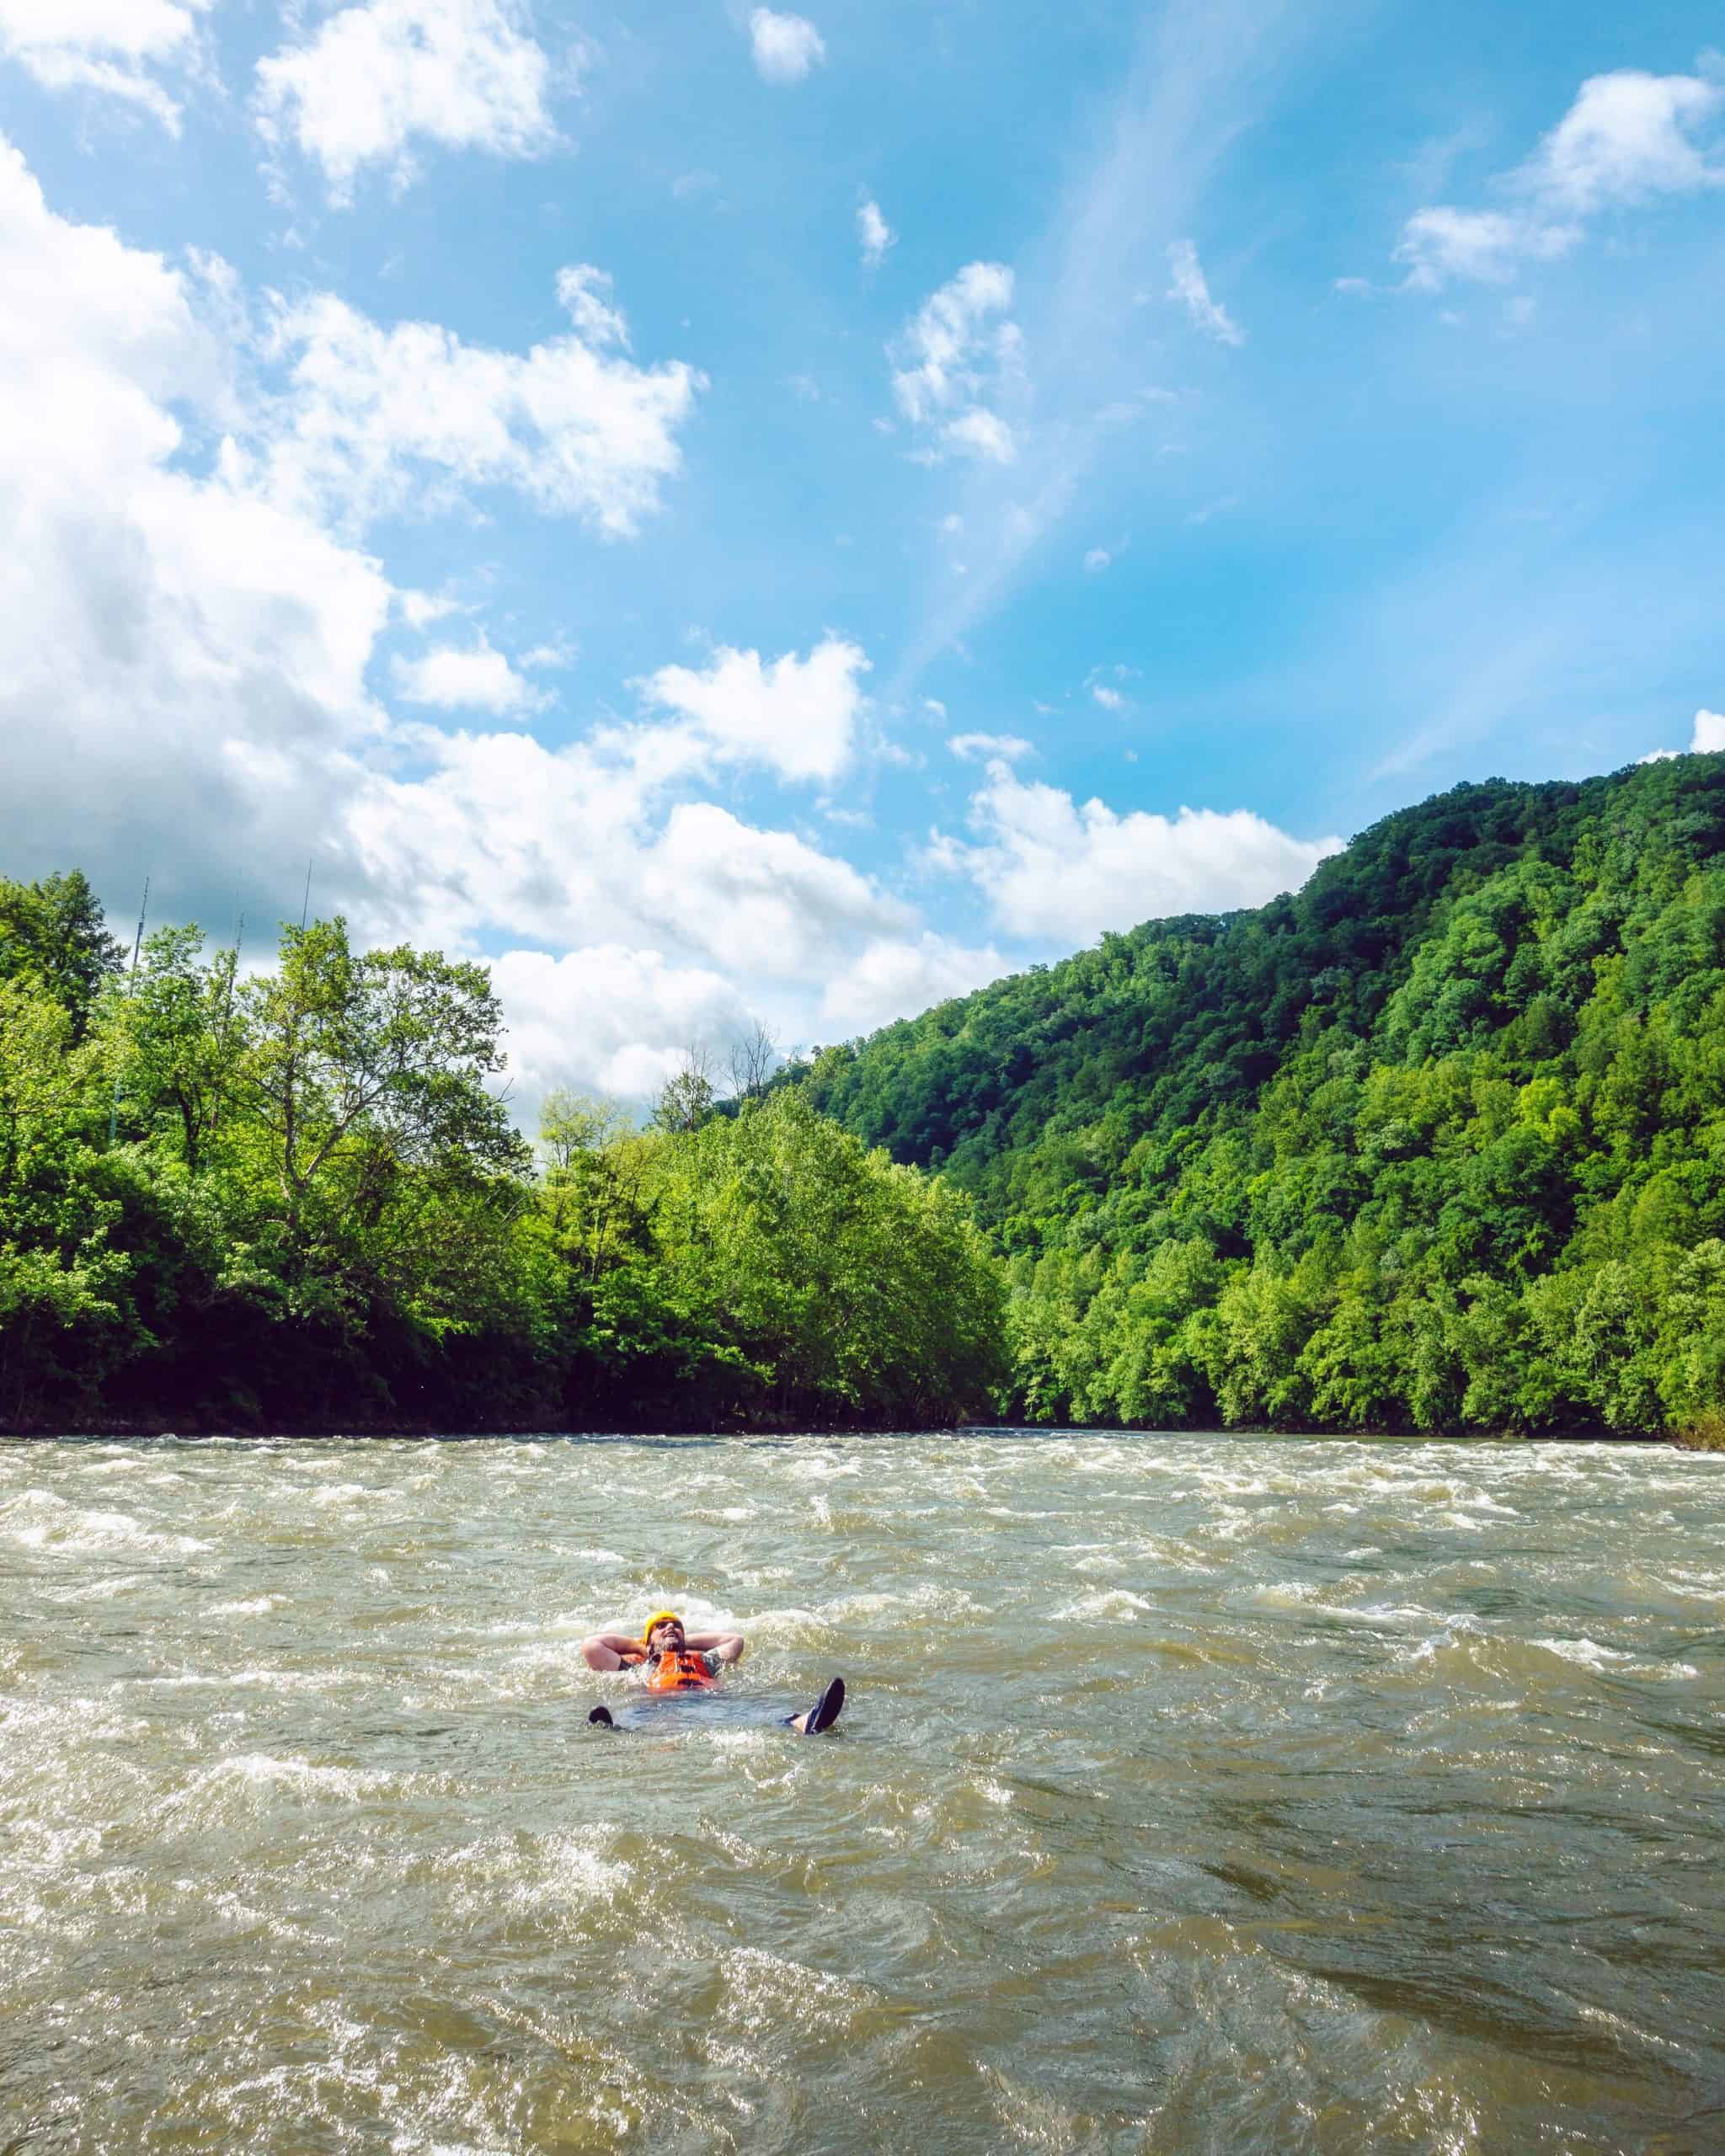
790, 1424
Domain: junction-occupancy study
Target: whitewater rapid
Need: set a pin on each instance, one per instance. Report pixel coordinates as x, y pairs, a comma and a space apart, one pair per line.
1194, 1794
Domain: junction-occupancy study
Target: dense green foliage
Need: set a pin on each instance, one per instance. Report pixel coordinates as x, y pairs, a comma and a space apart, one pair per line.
293, 1200
1437, 1144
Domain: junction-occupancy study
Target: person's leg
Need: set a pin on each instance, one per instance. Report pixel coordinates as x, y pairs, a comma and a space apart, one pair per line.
823, 1713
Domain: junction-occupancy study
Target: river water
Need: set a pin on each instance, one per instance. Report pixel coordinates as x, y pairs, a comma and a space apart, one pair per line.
1194, 1794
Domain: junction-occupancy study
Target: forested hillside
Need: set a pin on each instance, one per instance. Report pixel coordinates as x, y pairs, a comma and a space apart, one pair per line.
298, 1200
1437, 1143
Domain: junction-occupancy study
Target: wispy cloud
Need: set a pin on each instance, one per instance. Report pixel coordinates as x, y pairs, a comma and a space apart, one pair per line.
874, 233
1191, 289
953, 360
1628, 137
117, 49
988, 747
1203, 71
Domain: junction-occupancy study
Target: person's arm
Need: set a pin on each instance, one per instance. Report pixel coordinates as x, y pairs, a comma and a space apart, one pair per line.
727, 1645
612, 1651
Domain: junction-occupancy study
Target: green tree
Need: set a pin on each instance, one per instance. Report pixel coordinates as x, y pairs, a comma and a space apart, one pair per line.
361, 1083
55, 929
177, 1032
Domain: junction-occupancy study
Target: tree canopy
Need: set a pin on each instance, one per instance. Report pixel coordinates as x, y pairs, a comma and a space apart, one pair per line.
298, 1198
1437, 1143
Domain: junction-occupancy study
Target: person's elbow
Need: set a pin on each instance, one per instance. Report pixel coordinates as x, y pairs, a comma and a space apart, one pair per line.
597, 1656
731, 1649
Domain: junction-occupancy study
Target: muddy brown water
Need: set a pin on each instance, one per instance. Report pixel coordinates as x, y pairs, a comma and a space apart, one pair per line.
1194, 1795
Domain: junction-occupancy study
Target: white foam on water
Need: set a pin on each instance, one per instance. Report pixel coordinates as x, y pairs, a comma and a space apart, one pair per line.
1396, 1616
105, 1590
765, 1991
40, 1520
1587, 1653
251, 1678
1694, 1586
822, 1468
257, 1606
260, 1770
778, 1625
1287, 1594
1114, 1604
927, 1599
346, 1493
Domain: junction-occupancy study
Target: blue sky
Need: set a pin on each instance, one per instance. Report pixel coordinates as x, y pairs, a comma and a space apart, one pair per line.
735, 513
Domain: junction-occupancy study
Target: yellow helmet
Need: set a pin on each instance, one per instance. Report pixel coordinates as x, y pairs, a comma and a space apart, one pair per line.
658, 1617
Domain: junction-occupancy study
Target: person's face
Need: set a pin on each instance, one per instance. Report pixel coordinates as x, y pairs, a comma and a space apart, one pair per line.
666, 1638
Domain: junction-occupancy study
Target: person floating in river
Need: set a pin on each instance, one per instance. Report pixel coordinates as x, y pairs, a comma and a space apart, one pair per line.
666, 1658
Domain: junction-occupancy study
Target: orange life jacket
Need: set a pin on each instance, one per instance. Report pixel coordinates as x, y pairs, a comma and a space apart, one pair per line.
685, 1670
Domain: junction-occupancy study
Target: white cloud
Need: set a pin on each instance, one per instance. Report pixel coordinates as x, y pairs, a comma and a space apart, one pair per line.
184, 651
1096, 560
177, 655
896, 977
979, 748
607, 1018
1190, 289
982, 434
108, 45
1707, 739
1709, 734
1625, 139
420, 608
585, 292
1488, 246
1054, 870
1628, 137
570, 846
472, 678
797, 716
948, 339
786, 46
1101, 681
955, 358
875, 234
380, 76
377, 420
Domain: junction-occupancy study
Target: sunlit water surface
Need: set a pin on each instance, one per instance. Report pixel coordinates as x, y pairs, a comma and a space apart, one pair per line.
1194, 1795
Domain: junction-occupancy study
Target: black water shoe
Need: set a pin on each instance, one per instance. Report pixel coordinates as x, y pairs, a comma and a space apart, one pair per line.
826, 1709
600, 1718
